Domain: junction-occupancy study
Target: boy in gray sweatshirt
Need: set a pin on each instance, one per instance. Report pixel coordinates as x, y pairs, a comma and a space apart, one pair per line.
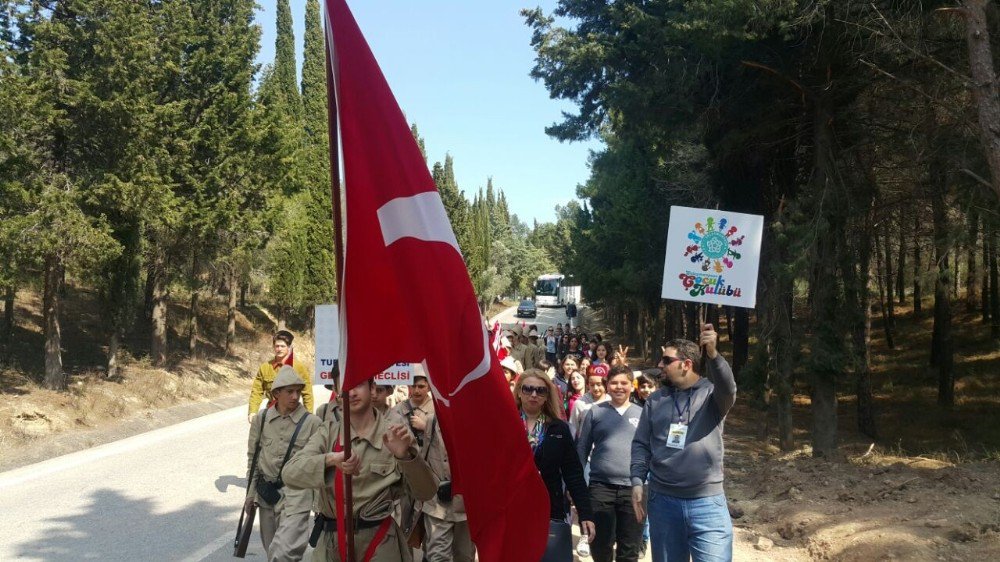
678, 444
606, 441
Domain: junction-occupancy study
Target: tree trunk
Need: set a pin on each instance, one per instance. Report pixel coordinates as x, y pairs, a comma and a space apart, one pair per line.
147, 303
786, 350
195, 305
231, 316
244, 287
984, 297
782, 341
862, 342
692, 328
971, 266
987, 287
7, 326
283, 315
954, 272
113, 346
826, 304
883, 278
918, 273
158, 343
729, 322
942, 352
55, 378
890, 305
856, 267
994, 288
193, 324
741, 339
901, 269
984, 84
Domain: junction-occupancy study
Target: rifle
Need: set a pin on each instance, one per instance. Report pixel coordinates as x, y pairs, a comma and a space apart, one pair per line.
245, 527
243, 532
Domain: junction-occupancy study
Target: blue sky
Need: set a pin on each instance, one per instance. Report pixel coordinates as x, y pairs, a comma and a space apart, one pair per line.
459, 70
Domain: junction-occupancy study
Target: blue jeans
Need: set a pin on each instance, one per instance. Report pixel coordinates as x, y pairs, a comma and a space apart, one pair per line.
696, 529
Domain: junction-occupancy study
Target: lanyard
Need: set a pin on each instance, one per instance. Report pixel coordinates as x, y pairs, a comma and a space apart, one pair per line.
680, 412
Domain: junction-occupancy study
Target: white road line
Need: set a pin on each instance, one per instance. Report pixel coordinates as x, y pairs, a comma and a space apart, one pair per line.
205, 551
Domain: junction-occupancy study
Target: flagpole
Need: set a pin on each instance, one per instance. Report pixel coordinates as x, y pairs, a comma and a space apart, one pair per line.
338, 252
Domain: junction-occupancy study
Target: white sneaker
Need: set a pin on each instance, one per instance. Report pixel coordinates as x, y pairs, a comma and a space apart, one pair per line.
583, 547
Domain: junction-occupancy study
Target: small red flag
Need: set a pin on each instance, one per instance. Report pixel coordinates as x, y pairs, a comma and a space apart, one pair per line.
404, 276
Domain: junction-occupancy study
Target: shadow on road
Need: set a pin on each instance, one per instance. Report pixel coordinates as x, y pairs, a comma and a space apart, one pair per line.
115, 527
223, 483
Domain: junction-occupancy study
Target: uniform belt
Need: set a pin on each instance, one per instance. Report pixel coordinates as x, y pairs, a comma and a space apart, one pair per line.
330, 524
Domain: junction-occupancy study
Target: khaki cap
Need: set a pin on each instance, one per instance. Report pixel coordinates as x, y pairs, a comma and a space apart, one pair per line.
286, 377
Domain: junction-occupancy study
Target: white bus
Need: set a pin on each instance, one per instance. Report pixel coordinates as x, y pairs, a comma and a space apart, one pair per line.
547, 291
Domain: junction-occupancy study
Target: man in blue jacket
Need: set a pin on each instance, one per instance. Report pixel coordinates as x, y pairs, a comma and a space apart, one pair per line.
678, 444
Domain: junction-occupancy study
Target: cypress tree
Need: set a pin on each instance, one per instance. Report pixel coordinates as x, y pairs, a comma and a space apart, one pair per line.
454, 202
284, 62
420, 141
320, 282
314, 99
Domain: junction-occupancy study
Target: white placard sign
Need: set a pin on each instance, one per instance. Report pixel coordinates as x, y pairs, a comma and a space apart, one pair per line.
398, 374
712, 256
327, 334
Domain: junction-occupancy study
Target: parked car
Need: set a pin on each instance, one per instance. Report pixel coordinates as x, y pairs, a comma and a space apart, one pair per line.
527, 309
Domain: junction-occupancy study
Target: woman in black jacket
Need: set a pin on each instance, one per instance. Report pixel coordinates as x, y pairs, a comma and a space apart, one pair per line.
556, 459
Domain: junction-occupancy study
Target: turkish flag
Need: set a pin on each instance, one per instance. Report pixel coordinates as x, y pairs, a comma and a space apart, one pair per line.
406, 296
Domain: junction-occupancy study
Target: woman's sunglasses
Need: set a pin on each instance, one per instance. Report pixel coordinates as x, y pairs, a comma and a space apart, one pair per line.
537, 390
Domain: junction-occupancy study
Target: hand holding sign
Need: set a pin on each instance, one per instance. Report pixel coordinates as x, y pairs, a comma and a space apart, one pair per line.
709, 341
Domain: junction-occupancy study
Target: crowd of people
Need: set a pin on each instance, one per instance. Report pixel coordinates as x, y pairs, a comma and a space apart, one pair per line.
633, 457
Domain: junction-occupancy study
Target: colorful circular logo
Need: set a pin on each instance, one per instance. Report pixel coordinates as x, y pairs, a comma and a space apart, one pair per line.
714, 245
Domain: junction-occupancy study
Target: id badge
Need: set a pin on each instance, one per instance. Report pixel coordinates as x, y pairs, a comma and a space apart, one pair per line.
677, 436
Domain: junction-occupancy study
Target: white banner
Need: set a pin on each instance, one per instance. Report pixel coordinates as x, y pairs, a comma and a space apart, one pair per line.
712, 257
398, 374
327, 334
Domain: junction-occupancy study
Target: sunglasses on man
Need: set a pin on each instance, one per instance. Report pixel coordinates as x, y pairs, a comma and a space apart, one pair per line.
667, 360
536, 390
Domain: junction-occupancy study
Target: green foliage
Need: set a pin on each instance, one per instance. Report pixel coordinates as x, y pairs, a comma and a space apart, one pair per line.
284, 63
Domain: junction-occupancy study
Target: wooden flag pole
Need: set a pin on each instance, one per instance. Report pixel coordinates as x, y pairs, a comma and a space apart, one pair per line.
702, 317
338, 252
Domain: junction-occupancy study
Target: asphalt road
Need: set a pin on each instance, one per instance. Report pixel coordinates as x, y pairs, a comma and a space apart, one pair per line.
546, 317
172, 494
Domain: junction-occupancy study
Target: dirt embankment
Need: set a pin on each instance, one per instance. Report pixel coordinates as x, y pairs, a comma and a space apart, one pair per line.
37, 423
864, 507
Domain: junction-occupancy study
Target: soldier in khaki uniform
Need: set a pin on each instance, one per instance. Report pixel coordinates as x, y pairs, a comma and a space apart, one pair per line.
284, 525
386, 467
446, 531
537, 351
262, 383
520, 350
418, 408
